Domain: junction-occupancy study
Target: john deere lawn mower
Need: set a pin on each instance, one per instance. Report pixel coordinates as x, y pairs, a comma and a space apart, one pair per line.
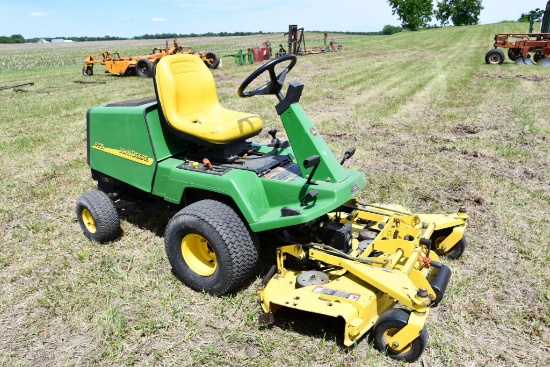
375, 266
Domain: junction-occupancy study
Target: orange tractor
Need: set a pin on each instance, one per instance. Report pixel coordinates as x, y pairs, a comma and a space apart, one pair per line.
142, 65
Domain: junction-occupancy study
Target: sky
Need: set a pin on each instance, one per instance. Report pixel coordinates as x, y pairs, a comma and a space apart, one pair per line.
127, 18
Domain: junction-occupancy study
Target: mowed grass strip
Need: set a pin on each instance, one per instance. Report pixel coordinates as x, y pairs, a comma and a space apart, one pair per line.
434, 126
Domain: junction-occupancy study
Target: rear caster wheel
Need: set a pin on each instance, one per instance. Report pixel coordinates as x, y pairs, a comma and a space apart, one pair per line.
389, 324
97, 216
210, 248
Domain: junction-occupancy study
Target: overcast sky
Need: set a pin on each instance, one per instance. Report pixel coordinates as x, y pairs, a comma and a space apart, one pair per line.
125, 18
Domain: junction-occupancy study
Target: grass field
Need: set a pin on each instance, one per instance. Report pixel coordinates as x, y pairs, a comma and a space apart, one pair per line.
434, 127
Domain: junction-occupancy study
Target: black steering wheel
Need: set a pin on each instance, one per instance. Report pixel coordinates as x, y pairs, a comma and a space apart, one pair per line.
276, 82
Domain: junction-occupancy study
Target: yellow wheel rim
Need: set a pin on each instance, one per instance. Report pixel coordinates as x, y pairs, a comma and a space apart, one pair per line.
388, 335
88, 221
199, 254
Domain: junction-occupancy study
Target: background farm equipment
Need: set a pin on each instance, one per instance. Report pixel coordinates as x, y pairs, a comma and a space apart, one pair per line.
252, 55
242, 58
520, 45
142, 65
297, 44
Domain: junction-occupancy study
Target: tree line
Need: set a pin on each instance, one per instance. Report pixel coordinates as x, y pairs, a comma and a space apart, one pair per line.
416, 14
16, 38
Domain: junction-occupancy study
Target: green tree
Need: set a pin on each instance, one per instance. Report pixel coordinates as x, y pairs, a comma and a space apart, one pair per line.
459, 12
414, 14
390, 29
533, 14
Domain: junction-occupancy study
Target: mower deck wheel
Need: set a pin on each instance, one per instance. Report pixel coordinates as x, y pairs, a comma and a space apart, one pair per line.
389, 324
210, 248
454, 252
97, 216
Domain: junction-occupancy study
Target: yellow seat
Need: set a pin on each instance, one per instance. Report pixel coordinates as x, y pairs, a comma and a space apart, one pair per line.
187, 95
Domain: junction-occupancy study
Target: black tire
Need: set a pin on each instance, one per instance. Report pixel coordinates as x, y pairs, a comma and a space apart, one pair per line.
514, 53
210, 248
538, 56
387, 325
88, 71
494, 57
97, 216
455, 252
216, 60
144, 68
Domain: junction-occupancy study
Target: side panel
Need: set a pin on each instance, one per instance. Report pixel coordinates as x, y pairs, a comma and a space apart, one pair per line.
165, 144
260, 200
120, 146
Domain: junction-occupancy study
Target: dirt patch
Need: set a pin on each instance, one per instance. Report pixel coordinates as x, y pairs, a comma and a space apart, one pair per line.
531, 78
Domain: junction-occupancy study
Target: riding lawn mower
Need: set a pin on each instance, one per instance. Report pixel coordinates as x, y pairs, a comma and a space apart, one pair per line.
375, 266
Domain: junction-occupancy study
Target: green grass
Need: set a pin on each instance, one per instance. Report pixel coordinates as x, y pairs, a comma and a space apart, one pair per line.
434, 127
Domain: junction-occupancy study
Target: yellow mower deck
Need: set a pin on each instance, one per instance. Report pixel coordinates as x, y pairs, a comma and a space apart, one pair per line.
395, 265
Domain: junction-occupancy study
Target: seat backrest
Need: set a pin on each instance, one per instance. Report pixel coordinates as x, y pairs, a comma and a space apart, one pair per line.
186, 92
185, 89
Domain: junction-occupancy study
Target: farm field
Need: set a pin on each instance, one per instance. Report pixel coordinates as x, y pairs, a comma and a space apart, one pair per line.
434, 127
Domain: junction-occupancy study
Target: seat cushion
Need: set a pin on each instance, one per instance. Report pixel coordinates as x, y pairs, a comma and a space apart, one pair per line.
187, 94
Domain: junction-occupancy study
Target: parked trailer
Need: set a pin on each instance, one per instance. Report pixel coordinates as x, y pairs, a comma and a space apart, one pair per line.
520, 45
142, 65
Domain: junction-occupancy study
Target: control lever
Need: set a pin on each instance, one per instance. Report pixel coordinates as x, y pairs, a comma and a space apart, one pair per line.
347, 155
312, 161
276, 142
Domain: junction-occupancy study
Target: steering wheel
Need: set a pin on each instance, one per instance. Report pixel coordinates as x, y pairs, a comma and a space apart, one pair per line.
276, 82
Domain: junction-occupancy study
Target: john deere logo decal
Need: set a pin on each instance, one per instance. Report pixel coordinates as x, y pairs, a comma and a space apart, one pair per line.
131, 155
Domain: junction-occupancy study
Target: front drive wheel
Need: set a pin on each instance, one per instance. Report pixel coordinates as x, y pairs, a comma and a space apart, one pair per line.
210, 248
97, 216
389, 324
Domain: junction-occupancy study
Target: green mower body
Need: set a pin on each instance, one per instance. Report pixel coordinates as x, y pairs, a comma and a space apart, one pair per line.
337, 256
128, 144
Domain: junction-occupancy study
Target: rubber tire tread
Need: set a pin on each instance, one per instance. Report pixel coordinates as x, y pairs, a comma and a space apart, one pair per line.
149, 66
398, 318
494, 52
105, 215
235, 245
215, 63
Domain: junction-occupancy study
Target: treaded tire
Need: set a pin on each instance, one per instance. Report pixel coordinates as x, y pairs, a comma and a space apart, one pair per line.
144, 68
214, 64
494, 57
387, 325
230, 251
514, 53
97, 216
